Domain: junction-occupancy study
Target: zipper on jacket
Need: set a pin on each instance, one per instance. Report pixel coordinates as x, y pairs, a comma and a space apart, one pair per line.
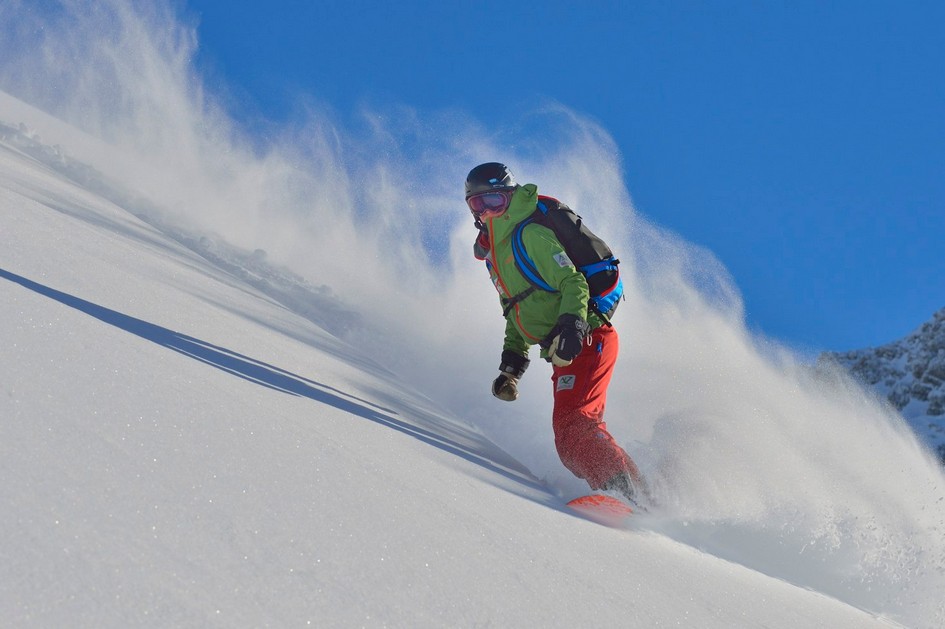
505, 288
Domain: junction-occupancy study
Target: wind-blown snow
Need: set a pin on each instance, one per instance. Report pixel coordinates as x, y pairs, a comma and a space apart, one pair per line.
179, 450
248, 384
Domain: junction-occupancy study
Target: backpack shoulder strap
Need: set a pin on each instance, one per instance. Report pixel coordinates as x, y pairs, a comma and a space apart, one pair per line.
523, 261
545, 205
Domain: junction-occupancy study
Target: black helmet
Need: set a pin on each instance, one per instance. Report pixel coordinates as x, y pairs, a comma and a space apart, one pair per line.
490, 176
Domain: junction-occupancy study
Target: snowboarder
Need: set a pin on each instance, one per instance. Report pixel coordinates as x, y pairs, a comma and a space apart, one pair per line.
579, 343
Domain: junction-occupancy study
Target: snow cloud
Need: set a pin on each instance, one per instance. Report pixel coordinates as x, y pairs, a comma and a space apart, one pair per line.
741, 440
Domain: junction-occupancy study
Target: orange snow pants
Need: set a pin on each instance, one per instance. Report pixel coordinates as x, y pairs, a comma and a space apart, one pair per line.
581, 438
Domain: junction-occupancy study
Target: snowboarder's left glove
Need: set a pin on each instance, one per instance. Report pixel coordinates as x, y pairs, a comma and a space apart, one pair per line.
567, 339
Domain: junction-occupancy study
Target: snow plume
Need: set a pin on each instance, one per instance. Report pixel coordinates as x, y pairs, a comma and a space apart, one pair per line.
800, 475
752, 456
373, 212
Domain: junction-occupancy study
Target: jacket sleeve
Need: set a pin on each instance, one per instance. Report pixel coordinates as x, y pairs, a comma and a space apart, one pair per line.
514, 340
557, 270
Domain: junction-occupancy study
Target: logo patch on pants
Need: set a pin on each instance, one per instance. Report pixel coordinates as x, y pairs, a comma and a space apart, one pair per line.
565, 382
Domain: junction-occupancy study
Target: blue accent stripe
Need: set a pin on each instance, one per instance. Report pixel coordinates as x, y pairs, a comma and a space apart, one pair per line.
524, 262
608, 301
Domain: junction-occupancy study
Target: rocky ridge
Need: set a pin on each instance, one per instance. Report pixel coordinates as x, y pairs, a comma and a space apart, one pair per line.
910, 373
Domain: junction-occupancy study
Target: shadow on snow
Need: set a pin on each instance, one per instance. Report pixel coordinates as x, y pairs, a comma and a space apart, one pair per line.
272, 377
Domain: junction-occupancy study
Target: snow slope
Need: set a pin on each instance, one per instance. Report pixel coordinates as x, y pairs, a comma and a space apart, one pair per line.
245, 382
178, 449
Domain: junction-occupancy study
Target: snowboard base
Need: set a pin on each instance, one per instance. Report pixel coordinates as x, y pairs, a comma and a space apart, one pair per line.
602, 509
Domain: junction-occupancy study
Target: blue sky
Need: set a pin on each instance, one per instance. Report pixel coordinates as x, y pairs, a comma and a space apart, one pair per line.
803, 143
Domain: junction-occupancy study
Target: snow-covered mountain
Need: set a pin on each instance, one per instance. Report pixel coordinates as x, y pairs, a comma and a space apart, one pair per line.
910, 374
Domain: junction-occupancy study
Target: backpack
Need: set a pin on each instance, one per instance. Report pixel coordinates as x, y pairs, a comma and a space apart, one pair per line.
590, 255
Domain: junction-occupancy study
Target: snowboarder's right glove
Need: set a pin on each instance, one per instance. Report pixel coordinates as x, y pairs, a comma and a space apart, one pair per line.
513, 365
505, 387
568, 339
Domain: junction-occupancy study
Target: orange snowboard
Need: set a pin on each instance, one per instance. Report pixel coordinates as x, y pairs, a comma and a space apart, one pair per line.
602, 509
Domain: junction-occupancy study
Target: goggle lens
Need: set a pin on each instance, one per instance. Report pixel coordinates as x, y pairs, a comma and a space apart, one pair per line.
489, 204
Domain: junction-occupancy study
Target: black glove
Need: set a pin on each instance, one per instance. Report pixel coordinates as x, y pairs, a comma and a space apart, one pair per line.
567, 339
513, 365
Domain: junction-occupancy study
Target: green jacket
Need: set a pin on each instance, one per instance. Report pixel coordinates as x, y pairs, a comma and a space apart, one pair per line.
532, 319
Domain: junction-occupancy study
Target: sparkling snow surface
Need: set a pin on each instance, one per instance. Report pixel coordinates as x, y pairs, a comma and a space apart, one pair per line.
179, 448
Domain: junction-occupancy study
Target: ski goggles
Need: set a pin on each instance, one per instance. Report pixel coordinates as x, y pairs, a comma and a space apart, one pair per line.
489, 204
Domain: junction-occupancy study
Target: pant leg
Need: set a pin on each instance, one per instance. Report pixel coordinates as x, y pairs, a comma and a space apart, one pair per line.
580, 392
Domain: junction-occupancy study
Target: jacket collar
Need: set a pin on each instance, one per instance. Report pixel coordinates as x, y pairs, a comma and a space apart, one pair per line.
523, 204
